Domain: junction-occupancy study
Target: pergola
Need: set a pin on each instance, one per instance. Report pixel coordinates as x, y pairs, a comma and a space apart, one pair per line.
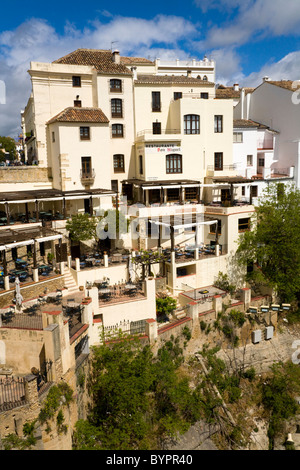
49, 195
10, 238
161, 186
230, 181
176, 223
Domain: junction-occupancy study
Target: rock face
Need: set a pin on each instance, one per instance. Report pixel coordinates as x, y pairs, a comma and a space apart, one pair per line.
196, 438
262, 355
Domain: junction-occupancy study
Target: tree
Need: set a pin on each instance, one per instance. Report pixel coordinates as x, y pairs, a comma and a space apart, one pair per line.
273, 242
9, 145
165, 306
278, 396
138, 400
81, 227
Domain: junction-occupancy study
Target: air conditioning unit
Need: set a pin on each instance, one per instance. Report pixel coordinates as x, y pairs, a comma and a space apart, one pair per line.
264, 308
275, 308
269, 333
256, 336
253, 309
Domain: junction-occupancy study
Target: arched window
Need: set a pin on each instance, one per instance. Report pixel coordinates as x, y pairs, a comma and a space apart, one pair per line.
205, 78
173, 163
192, 124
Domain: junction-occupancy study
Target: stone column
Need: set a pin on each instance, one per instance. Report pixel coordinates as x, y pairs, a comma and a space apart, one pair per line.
151, 330
77, 264
193, 311
246, 297
217, 304
105, 259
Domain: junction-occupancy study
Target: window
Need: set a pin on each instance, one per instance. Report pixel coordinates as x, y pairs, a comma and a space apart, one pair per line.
204, 96
141, 164
254, 191
191, 124
85, 133
156, 104
156, 127
115, 85
261, 162
53, 137
119, 163
117, 130
174, 163
218, 124
77, 104
177, 95
249, 160
244, 225
213, 228
191, 193
205, 78
116, 108
173, 194
218, 161
86, 166
238, 137
114, 185
76, 81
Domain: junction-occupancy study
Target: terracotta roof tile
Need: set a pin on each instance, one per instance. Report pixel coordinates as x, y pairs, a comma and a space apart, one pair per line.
172, 79
248, 123
135, 60
93, 115
223, 92
102, 60
286, 84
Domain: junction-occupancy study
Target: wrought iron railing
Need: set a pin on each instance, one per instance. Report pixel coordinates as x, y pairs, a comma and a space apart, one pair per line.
87, 174
12, 393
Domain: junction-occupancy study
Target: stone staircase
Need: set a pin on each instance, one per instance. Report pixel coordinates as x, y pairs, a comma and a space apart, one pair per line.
69, 283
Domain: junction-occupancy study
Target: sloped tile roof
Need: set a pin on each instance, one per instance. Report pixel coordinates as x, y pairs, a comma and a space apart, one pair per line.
102, 60
286, 84
248, 123
230, 93
93, 115
172, 79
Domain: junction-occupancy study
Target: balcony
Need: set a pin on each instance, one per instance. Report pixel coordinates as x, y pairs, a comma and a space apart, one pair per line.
165, 134
223, 170
87, 177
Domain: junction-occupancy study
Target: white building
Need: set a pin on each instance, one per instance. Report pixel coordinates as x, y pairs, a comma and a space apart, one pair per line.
273, 104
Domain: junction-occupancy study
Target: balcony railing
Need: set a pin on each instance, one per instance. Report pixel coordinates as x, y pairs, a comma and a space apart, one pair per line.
162, 132
223, 168
87, 175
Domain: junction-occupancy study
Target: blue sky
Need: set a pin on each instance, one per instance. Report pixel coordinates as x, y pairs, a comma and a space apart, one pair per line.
248, 38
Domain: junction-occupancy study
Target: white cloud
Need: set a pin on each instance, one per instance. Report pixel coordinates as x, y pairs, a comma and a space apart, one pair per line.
228, 66
288, 68
37, 40
256, 19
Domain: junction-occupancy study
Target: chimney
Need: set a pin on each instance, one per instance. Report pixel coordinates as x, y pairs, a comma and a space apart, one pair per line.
116, 57
236, 87
134, 71
266, 79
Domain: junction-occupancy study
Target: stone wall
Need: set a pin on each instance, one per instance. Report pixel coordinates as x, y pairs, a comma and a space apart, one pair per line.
24, 174
32, 290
